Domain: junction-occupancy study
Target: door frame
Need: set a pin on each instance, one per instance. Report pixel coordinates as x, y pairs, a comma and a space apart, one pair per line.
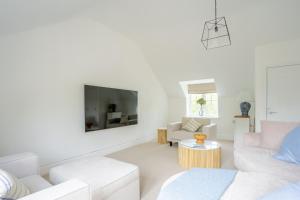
267, 81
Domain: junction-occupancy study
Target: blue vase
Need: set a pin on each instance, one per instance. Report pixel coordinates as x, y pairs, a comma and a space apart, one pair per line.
245, 107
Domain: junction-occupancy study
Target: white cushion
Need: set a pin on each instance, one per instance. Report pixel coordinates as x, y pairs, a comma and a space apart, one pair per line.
35, 183
192, 125
261, 160
11, 187
104, 175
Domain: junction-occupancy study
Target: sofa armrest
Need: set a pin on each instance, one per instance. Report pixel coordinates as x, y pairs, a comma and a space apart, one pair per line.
69, 190
210, 130
21, 165
247, 139
252, 139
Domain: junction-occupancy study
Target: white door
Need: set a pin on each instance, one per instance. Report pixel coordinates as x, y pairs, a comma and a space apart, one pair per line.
283, 93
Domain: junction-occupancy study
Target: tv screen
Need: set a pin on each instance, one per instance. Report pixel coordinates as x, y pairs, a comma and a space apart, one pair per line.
109, 108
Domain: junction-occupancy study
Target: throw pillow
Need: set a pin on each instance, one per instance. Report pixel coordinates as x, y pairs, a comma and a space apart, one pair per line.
289, 150
192, 125
289, 192
11, 187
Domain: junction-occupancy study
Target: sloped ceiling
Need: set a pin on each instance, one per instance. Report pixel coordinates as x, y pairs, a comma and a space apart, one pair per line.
169, 33
20, 15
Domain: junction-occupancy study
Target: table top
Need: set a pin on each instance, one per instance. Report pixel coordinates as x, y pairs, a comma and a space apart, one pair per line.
208, 144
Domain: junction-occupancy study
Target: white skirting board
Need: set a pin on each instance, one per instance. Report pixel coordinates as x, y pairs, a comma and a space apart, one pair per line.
101, 152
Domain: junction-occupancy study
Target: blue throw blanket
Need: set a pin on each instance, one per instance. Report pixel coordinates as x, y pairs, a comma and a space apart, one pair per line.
199, 184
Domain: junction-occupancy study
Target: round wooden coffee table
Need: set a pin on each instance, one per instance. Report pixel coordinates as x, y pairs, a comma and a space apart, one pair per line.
192, 155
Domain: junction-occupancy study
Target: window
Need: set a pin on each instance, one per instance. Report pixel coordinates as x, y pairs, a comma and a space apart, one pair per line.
209, 109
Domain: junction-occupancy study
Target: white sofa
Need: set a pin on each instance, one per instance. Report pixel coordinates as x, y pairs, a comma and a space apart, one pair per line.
90, 178
255, 150
175, 132
25, 166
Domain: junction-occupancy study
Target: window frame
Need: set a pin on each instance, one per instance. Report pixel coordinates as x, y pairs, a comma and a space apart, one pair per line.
189, 105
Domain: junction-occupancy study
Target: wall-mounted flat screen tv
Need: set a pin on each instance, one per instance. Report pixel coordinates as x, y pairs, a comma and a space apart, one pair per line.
109, 108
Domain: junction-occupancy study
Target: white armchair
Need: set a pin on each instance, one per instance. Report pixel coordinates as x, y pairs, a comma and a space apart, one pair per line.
25, 166
175, 132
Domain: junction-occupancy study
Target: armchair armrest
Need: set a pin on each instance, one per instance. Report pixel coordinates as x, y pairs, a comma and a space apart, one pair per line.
175, 126
21, 165
171, 127
69, 190
210, 130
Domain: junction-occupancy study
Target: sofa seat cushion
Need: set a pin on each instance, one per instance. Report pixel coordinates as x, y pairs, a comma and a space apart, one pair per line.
35, 183
261, 160
182, 135
104, 175
290, 192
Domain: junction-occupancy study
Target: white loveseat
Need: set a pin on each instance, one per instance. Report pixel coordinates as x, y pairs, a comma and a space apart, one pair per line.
175, 132
25, 166
254, 153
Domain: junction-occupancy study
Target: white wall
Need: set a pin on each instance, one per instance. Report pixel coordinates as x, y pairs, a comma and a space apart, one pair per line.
228, 108
177, 109
276, 54
42, 73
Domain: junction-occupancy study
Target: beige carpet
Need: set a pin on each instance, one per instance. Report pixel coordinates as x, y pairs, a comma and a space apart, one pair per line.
158, 162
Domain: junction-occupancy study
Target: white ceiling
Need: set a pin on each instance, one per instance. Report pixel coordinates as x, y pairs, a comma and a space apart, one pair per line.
169, 32
20, 15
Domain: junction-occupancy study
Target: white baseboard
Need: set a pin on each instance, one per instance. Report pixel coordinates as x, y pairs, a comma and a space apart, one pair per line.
99, 152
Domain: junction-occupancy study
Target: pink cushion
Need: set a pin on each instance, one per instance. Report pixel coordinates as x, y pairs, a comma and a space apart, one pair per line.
273, 133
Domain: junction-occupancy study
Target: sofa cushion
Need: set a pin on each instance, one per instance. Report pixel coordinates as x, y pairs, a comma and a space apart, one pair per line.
192, 125
254, 159
35, 183
104, 175
203, 121
289, 150
290, 192
11, 187
182, 135
273, 133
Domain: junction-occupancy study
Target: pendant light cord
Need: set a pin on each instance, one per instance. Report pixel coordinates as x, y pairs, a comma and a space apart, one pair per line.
216, 10
216, 23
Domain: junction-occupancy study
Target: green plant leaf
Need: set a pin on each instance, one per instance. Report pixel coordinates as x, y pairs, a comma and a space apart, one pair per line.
201, 101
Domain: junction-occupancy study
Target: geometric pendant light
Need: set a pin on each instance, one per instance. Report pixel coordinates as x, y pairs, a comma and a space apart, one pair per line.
215, 32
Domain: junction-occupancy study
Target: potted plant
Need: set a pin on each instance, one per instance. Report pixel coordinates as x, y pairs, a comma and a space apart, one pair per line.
201, 102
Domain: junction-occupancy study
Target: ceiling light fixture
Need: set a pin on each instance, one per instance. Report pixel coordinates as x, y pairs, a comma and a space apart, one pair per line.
215, 32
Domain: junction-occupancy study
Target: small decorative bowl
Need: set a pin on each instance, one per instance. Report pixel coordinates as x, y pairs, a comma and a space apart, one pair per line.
200, 138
